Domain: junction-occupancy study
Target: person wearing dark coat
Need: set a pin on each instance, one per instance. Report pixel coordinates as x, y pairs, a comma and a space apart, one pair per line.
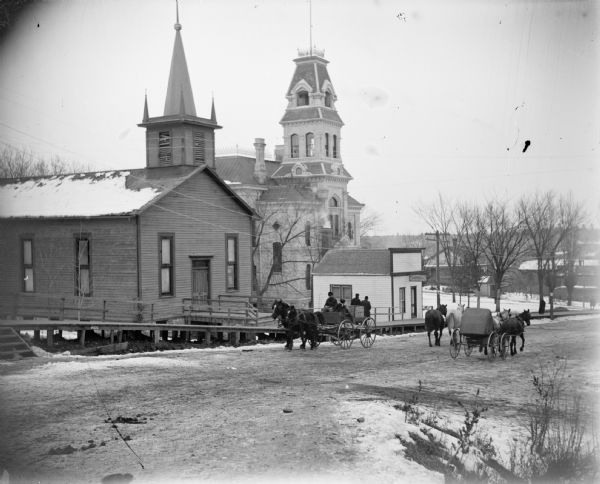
355, 301
331, 302
367, 305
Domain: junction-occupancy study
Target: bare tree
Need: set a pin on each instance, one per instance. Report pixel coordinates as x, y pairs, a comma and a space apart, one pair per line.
369, 222
287, 239
443, 218
473, 244
551, 220
19, 162
505, 240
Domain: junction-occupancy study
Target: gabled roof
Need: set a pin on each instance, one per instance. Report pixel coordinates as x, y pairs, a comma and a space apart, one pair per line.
106, 193
355, 261
353, 203
239, 169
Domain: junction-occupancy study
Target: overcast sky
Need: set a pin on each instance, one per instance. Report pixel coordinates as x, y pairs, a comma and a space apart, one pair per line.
436, 96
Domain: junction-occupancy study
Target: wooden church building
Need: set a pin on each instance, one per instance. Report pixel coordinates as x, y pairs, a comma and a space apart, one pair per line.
155, 235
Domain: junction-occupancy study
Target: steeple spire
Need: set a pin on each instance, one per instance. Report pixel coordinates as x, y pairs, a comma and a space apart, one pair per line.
145, 118
213, 113
179, 86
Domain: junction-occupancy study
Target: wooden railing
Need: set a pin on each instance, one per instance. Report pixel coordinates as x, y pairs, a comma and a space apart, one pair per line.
220, 311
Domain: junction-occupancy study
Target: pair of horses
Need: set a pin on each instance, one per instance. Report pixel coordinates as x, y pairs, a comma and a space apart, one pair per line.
514, 326
435, 319
298, 323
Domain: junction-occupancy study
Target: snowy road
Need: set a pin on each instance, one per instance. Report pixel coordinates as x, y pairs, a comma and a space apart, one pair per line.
260, 414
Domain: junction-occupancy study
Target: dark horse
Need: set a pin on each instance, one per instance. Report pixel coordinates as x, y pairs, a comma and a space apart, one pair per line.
434, 321
297, 323
515, 326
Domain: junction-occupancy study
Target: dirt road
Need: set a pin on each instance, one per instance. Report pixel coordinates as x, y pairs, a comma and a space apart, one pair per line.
257, 413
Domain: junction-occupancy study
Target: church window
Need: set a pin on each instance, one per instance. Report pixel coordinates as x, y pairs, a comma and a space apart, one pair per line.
165, 155
302, 98
328, 99
326, 144
294, 146
350, 231
298, 171
307, 276
335, 147
333, 202
310, 144
198, 147
334, 221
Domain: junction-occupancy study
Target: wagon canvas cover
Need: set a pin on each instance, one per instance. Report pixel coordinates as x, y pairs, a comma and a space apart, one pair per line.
477, 321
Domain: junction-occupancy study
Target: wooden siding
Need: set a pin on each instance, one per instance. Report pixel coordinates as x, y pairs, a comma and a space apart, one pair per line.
113, 256
378, 288
406, 262
198, 214
404, 281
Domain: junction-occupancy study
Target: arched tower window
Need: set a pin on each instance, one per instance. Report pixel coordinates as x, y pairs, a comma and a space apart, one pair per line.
310, 144
333, 202
335, 146
326, 144
302, 98
294, 146
334, 216
298, 171
328, 99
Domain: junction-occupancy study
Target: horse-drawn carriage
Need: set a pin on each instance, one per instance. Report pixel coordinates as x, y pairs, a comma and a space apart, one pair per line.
477, 329
342, 326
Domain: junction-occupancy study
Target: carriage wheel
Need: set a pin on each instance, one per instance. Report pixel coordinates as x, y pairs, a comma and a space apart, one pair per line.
367, 332
493, 345
504, 344
455, 344
346, 334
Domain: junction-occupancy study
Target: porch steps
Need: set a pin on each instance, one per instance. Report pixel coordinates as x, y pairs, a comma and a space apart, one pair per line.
12, 346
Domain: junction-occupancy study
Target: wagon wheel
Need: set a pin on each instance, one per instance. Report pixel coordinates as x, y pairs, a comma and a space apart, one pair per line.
504, 343
367, 332
346, 334
493, 345
455, 344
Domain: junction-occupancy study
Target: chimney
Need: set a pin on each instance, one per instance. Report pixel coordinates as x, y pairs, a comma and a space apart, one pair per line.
260, 169
279, 150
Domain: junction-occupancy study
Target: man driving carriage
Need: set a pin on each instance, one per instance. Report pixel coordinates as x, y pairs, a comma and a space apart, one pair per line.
331, 303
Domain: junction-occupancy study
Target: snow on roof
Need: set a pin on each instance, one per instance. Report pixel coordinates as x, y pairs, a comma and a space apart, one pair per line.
75, 195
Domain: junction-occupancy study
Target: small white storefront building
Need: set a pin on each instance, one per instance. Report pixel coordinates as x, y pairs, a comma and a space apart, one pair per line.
391, 278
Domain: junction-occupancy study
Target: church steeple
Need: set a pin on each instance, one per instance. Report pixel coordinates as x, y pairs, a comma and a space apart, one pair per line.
179, 136
179, 85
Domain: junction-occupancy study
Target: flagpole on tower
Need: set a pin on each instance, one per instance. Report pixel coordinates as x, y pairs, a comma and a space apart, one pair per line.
310, 26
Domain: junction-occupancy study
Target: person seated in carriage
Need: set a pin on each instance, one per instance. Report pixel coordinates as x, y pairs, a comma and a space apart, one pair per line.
331, 302
343, 310
356, 300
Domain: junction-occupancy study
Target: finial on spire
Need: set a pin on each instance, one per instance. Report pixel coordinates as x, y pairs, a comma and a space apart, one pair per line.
177, 24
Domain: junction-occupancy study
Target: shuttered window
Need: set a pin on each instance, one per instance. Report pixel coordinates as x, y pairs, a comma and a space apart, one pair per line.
165, 151
199, 149
277, 257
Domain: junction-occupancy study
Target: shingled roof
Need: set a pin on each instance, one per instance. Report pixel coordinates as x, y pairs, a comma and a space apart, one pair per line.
355, 261
312, 168
240, 169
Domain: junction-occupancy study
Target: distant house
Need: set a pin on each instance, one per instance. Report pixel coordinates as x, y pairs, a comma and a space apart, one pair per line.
161, 234
392, 278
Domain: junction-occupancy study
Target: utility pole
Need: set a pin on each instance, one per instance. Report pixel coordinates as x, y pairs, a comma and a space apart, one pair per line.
437, 263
